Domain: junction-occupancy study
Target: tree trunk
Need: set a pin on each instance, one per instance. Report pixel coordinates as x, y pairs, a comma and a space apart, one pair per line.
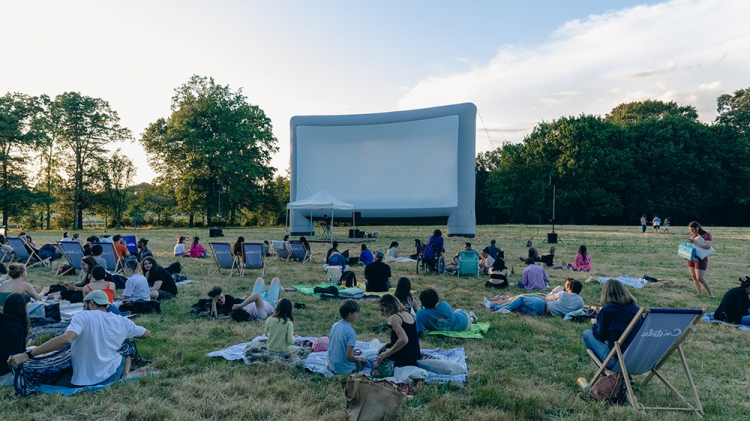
190, 221
77, 188
208, 219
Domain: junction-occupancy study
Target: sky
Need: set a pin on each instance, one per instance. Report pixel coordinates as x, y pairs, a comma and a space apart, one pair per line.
519, 62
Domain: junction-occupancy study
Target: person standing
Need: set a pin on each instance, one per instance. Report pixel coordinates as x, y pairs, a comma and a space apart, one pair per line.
643, 224
702, 239
657, 224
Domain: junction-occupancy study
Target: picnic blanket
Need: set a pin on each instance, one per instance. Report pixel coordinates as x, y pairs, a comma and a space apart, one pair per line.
54, 329
67, 391
317, 362
181, 283
504, 300
477, 331
709, 318
625, 279
309, 290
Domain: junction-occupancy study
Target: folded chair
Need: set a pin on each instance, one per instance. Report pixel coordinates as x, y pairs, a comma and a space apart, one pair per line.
298, 252
109, 256
224, 258
468, 263
253, 258
660, 335
22, 255
72, 251
282, 249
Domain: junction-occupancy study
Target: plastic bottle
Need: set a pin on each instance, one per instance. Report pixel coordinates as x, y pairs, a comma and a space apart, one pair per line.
582, 383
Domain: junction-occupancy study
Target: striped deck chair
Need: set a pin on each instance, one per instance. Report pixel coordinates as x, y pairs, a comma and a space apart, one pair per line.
660, 335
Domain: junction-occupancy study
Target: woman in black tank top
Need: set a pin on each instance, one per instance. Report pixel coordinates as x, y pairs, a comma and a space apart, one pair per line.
403, 349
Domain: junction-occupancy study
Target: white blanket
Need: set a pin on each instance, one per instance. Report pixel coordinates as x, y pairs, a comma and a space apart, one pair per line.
399, 259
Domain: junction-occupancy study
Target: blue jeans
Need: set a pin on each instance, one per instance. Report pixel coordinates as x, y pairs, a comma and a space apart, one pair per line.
114, 310
530, 305
601, 349
272, 296
387, 285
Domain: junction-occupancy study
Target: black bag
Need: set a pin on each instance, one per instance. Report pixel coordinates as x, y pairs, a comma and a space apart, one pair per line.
52, 311
175, 267
202, 306
141, 307
348, 278
327, 290
118, 280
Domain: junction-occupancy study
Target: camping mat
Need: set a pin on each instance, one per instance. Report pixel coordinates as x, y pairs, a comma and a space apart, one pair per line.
306, 289
477, 331
67, 391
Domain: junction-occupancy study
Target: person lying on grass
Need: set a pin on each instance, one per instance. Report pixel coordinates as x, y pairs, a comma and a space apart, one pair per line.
438, 315
221, 304
260, 303
95, 337
342, 357
561, 301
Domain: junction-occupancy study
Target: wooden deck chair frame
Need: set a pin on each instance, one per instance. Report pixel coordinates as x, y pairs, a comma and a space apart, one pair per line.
32, 255
66, 258
293, 255
4, 254
118, 263
243, 265
218, 268
696, 407
287, 249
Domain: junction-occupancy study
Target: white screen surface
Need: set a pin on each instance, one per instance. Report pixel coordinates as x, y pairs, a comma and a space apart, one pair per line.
403, 165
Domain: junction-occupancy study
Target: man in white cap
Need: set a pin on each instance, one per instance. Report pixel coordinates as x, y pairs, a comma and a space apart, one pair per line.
95, 337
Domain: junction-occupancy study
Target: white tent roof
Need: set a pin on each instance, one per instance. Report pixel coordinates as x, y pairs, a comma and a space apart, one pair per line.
320, 200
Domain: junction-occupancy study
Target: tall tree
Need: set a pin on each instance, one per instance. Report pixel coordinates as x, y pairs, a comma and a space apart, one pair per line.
636, 112
117, 174
18, 138
734, 111
215, 146
84, 125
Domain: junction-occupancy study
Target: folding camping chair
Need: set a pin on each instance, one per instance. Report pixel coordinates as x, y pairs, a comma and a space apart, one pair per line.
224, 258
72, 251
109, 256
660, 335
282, 249
253, 258
23, 255
298, 251
468, 263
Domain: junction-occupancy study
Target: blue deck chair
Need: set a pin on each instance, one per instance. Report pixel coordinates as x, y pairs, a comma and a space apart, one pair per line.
22, 255
282, 249
72, 251
224, 258
468, 263
253, 258
108, 254
298, 252
660, 335
131, 244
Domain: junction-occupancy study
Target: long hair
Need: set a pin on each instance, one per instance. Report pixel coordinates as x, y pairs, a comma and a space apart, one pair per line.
614, 292
237, 248
437, 233
697, 227
284, 310
154, 268
582, 251
180, 240
90, 262
499, 264
403, 289
393, 244
195, 240
15, 305
392, 305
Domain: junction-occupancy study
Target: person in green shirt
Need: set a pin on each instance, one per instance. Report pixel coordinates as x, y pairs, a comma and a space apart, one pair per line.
280, 329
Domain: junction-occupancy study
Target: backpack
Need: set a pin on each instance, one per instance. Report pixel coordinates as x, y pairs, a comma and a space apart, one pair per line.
348, 278
429, 253
141, 307
609, 389
175, 267
327, 290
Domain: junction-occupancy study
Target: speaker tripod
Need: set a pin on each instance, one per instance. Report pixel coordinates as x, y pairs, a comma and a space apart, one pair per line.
552, 237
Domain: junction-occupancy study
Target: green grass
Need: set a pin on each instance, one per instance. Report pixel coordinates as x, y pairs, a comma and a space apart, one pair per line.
525, 368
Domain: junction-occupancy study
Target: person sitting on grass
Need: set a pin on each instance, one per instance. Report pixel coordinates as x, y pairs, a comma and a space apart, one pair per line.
533, 253
143, 250
15, 328
336, 259
561, 301
160, 282
548, 259
419, 247
342, 357
453, 267
238, 249
392, 252
485, 263
438, 315
179, 248
533, 277
498, 275
618, 310
74, 290
99, 283
582, 261
735, 304
334, 249
260, 303
403, 349
496, 251
197, 250
365, 255
136, 286
17, 273
95, 337
280, 330
378, 275
221, 304
403, 293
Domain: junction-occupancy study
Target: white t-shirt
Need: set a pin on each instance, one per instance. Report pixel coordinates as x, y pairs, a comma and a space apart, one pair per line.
179, 249
259, 313
94, 351
136, 288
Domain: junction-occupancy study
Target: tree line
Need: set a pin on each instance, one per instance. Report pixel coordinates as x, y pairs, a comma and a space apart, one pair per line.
212, 157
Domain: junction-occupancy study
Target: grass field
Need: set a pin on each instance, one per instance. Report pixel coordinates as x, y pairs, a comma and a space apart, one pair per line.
525, 368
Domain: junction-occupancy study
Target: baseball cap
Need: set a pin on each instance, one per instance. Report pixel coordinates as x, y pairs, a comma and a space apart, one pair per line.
98, 296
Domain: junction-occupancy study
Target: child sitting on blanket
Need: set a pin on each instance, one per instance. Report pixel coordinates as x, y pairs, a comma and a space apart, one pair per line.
280, 330
438, 315
341, 341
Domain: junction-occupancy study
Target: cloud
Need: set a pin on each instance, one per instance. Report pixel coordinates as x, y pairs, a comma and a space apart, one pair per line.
684, 51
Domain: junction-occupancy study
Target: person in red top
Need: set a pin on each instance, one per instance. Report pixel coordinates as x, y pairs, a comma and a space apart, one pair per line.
121, 250
698, 269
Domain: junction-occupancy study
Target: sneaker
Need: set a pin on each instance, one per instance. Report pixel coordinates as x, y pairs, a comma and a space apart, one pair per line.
473, 316
502, 310
486, 303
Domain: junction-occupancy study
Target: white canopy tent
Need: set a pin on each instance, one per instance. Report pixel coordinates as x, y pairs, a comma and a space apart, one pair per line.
319, 201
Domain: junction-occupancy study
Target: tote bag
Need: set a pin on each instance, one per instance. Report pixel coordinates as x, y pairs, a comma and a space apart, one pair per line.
702, 253
686, 251
371, 401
